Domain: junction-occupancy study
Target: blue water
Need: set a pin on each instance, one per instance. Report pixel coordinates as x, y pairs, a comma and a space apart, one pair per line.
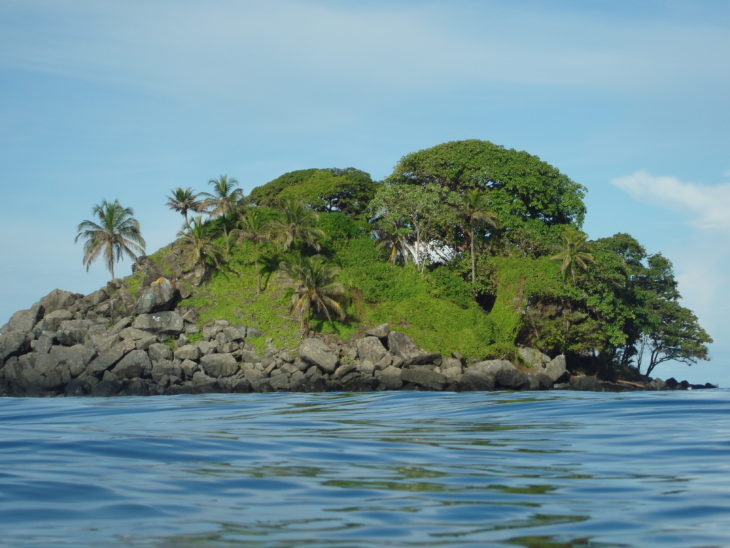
378, 469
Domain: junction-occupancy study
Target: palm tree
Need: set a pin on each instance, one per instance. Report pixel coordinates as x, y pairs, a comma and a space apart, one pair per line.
117, 234
256, 228
183, 200
297, 226
475, 210
574, 254
224, 200
315, 288
196, 244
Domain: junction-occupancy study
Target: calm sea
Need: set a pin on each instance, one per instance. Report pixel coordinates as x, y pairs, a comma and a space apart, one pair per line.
379, 469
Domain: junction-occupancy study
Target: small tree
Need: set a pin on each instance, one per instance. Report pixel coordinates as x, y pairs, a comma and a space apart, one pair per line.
223, 201
197, 246
297, 226
183, 200
315, 288
255, 227
574, 254
116, 234
475, 210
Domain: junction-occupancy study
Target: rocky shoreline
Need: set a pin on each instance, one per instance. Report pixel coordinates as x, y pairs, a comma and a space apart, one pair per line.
70, 344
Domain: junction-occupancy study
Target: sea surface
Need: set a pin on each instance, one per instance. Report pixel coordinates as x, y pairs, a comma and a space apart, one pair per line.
378, 469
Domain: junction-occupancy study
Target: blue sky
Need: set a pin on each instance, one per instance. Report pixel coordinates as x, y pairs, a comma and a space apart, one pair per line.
105, 100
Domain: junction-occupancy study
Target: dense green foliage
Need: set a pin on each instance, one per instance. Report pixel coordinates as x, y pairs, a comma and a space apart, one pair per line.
347, 190
467, 247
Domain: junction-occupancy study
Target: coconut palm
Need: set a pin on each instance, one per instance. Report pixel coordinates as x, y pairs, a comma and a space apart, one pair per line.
574, 254
475, 210
196, 244
255, 227
296, 226
116, 234
315, 288
224, 200
183, 200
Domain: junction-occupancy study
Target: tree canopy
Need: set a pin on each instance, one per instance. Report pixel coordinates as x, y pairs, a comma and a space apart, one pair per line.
346, 190
520, 186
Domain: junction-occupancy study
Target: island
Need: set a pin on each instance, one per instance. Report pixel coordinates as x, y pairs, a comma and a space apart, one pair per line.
465, 269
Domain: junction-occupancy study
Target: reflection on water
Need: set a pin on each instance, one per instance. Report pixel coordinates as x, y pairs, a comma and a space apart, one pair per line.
397, 469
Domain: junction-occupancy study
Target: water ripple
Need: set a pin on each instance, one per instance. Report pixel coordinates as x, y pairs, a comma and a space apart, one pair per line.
393, 469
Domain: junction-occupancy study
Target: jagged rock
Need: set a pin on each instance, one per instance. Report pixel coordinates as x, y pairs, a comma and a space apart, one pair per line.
253, 332
169, 323
366, 367
343, 370
158, 352
97, 297
72, 332
164, 367
371, 349
13, 343
158, 297
555, 369
132, 365
200, 378
405, 348
424, 377
42, 345
188, 368
505, 374
187, 352
120, 325
25, 320
390, 378
57, 299
280, 382
532, 357
110, 357
52, 321
380, 331
219, 365
146, 342
316, 352
134, 334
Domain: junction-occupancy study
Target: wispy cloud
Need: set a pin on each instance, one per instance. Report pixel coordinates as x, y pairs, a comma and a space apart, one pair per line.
245, 49
707, 207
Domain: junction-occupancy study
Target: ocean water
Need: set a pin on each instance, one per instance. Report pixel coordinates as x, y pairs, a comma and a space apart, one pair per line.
379, 469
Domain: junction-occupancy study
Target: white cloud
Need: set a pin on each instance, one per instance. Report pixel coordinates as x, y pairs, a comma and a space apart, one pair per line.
708, 207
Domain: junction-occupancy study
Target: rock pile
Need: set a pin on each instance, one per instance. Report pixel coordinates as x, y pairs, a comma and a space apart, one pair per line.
68, 344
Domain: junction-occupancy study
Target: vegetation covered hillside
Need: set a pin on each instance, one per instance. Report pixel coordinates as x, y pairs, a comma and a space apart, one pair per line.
468, 247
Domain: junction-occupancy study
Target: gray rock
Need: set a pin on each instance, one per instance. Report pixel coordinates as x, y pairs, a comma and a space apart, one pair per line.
233, 334
146, 342
169, 323
110, 357
371, 349
476, 379
134, 334
188, 368
132, 365
533, 357
504, 373
107, 388
58, 299
78, 387
120, 325
390, 378
25, 320
200, 378
187, 352
405, 348
204, 347
343, 370
316, 352
52, 321
253, 332
158, 297
380, 331
42, 345
13, 343
219, 365
280, 382
166, 368
72, 332
366, 367
102, 343
158, 352
424, 377
556, 368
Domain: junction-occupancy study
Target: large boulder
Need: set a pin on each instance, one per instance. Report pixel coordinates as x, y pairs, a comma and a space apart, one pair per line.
168, 323
424, 377
405, 348
504, 373
555, 369
25, 320
390, 378
380, 331
371, 349
132, 365
13, 343
158, 297
111, 356
52, 321
72, 332
533, 357
58, 299
219, 365
316, 352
